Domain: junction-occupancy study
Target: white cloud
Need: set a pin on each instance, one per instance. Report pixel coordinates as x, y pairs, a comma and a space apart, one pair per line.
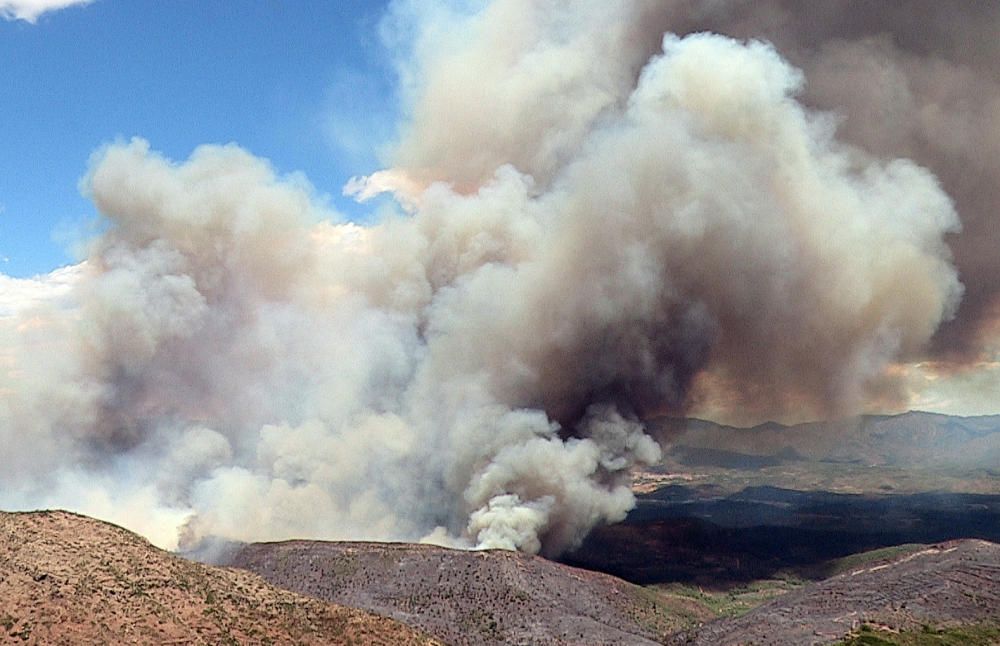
18, 295
30, 10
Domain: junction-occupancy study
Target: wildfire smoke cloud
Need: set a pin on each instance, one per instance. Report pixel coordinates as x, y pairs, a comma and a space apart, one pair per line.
595, 219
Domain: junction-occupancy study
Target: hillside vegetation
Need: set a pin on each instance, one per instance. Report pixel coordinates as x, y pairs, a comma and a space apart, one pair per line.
480, 597
69, 579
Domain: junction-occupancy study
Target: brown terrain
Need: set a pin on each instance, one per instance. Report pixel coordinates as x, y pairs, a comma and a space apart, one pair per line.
468, 597
741, 536
950, 585
69, 579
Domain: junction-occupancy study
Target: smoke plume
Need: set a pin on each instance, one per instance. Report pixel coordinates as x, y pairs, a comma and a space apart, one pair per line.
599, 221
905, 78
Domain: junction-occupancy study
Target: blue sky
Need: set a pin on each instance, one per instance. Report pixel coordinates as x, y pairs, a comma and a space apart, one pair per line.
307, 85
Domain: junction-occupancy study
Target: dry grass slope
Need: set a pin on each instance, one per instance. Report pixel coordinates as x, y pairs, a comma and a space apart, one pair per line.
69, 579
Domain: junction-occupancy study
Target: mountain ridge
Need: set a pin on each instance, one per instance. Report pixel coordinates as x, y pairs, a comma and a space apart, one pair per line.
909, 439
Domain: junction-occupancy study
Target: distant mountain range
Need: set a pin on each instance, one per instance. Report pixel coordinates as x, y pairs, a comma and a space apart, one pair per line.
912, 439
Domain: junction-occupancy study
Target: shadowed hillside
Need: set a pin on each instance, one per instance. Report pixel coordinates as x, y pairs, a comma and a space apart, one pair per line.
694, 534
69, 579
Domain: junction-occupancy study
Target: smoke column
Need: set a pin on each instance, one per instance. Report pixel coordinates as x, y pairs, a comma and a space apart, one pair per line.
598, 222
904, 78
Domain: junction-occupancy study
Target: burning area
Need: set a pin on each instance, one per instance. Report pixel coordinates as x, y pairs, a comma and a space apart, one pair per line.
602, 213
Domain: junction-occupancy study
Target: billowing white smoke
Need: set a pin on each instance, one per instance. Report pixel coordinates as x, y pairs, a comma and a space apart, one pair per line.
583, 242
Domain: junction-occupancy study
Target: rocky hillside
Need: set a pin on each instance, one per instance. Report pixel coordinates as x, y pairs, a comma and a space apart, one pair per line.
68, 579
481, 597
948, 586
